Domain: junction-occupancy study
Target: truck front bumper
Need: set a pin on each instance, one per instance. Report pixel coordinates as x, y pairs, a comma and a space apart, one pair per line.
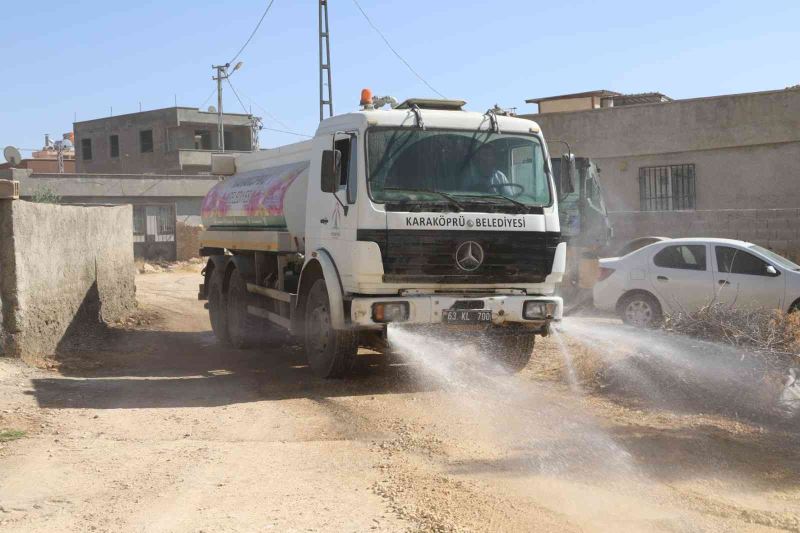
431, 309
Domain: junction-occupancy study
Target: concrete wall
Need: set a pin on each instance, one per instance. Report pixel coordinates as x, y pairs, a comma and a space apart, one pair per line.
758, 176
776, 229
62, 269
746, 147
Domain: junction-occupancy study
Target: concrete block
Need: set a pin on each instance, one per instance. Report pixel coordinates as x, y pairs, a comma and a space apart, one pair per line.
9, 190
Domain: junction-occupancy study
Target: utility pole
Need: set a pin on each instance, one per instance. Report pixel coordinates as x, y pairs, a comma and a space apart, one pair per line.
324, 62
222, 74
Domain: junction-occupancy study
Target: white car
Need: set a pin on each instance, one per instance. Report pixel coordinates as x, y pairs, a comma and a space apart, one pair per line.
685, 274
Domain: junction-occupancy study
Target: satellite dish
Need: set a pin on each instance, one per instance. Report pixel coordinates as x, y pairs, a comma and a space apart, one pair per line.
12, 155
212, 109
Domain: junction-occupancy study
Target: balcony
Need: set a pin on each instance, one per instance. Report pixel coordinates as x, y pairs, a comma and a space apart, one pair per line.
200, 158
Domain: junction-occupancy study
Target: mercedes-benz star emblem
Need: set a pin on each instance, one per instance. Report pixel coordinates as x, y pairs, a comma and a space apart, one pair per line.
469, 256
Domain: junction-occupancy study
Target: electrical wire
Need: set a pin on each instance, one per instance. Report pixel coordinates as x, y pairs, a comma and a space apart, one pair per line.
264, 127
244, 107
207, 99
288, 132
395, 52
266, 112
269, 6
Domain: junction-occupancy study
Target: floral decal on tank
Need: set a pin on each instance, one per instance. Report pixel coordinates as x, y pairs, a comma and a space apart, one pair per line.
254, 197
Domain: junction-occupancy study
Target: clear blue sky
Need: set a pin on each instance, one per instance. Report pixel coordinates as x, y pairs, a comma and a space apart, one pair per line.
82, 58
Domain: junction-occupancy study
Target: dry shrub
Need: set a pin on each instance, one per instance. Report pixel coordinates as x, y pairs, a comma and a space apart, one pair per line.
771, 335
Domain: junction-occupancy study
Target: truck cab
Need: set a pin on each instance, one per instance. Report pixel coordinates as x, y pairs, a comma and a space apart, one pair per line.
420, 215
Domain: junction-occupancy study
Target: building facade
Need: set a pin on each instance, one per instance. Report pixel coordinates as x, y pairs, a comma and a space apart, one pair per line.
737, 151
174, 140
721, 166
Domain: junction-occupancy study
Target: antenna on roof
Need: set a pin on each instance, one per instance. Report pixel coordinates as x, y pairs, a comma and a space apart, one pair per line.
12, 155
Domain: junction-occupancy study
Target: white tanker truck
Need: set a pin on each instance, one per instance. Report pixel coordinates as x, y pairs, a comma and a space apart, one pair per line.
423, 215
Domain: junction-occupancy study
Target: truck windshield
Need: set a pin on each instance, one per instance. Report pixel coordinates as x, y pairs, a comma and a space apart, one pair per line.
414, 165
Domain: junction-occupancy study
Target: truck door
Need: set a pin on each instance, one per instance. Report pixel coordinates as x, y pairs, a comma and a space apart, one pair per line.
339, 216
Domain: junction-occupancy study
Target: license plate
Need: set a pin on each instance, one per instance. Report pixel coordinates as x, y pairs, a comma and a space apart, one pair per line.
471, 316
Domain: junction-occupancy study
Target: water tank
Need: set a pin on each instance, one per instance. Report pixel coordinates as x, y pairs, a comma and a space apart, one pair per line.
270, 198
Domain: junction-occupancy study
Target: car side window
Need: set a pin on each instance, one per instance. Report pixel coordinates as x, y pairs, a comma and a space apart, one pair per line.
735, 261
683, 256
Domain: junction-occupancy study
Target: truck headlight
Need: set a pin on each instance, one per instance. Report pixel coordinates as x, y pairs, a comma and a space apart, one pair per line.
533, 310
383, 312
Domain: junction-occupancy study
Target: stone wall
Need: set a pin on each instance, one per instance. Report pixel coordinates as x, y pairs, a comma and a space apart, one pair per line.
63, 269
188, 241
776, 229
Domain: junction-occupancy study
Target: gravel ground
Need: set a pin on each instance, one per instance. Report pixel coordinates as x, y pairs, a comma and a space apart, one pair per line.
155, 427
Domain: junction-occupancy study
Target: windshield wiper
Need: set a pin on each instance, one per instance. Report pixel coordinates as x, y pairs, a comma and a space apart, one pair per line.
502, 197
444, 195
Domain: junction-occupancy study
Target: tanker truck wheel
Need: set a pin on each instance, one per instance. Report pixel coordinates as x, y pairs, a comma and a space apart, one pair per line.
511, 347
330, 353
217, 307
242, 326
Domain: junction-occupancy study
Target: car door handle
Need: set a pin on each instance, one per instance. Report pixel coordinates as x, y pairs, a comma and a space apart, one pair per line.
323, 221
723, 282
662, 278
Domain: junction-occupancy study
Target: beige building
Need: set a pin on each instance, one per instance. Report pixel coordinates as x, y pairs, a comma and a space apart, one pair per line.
692, 164
721, 152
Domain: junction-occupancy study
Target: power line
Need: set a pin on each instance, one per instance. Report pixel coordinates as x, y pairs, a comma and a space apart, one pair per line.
269, 6
395, 52
264, 127
266, 112
289, 132
207, 99
244, 107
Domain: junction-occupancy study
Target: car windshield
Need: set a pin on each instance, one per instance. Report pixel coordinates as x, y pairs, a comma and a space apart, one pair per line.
775, 258
415, 165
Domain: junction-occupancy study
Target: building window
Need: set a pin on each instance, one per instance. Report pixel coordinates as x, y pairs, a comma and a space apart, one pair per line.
146, 141
228, 137
113, 143
166, 221
202, 140
86, 149
669, 188
139, 221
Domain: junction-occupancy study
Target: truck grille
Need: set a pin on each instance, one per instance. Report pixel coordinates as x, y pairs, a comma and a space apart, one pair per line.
429, 256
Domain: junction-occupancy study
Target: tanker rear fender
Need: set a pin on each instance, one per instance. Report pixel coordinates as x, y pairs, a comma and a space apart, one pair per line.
227, 264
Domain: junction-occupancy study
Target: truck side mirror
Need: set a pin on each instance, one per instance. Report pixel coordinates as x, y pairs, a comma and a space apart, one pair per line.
331, 170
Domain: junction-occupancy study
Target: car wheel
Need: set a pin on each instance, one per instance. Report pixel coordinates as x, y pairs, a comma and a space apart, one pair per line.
641, 310
795, 307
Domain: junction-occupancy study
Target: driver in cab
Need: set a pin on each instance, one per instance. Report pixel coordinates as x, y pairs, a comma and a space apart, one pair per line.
489, 178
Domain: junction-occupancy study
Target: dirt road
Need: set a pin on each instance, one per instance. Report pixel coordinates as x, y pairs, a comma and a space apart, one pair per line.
158, 428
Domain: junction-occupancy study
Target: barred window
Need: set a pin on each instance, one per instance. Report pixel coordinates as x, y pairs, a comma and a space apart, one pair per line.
668, 188
139, 220
166, 221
